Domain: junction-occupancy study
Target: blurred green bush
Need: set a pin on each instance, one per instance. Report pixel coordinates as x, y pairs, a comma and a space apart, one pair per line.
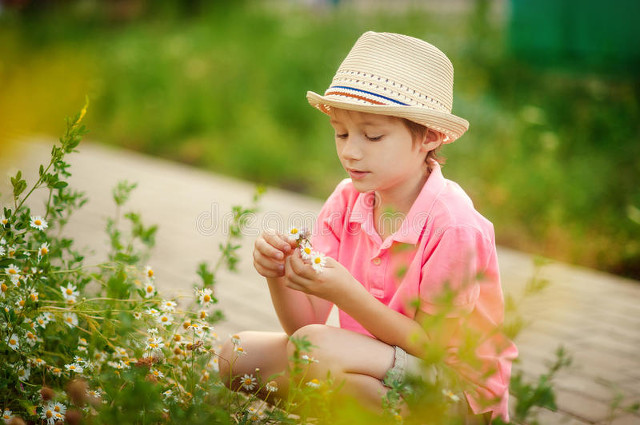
552, 156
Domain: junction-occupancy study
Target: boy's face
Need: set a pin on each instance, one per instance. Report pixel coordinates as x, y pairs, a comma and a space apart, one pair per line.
378, 151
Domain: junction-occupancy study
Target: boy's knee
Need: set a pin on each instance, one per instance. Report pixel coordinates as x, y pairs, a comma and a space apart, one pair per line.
315, 334
318, 356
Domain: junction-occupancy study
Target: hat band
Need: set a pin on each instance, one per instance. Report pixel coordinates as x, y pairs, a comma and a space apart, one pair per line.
367, 96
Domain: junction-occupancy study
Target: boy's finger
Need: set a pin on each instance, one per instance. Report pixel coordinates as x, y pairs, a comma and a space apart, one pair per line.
277, 241
267, 270
268, 250
267, 262
300, 267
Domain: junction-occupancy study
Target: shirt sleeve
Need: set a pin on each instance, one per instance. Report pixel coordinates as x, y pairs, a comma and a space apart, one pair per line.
327, 231
451, 273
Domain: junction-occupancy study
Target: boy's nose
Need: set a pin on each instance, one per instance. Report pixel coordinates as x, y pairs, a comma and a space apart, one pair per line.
351, 151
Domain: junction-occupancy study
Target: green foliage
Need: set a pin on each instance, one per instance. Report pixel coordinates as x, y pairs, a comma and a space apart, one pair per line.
551, 155
539, 394
121, 353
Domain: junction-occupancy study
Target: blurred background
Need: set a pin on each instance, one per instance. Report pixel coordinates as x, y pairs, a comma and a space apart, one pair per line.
550, 88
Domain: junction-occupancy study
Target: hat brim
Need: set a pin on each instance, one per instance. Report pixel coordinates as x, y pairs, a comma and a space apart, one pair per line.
448, 124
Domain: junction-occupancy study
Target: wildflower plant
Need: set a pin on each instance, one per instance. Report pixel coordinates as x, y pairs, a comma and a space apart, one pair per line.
99, 341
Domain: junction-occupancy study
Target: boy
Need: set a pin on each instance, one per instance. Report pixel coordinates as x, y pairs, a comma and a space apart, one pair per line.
390, 106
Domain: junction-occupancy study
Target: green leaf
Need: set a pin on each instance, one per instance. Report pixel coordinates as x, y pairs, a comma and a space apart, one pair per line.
207, 276
122, 192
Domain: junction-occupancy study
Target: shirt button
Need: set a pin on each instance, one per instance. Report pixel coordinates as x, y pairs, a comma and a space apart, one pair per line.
376, 261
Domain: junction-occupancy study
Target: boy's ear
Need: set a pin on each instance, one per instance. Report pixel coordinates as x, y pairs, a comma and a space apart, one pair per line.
431, 140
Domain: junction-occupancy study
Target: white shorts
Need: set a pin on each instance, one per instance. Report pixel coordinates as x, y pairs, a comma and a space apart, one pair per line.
405, 364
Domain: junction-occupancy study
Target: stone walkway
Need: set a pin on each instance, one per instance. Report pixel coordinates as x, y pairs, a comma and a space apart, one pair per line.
595, 316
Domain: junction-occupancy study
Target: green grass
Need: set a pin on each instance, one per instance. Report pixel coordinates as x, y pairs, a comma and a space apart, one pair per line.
552, 156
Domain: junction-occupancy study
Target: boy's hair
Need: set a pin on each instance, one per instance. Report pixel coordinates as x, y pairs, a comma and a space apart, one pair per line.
418, 131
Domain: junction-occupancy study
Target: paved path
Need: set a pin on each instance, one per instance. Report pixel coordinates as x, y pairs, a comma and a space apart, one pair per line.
594, 315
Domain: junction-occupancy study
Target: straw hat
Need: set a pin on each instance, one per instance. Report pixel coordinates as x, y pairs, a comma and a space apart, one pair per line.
397, 75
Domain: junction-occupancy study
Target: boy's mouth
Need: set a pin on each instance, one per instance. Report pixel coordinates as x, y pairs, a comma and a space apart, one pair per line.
357, 174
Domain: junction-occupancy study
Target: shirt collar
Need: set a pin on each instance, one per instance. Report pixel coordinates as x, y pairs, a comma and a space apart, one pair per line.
413, 224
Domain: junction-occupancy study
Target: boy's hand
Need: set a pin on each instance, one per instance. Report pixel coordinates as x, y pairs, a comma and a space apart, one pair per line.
269, 252
330, 284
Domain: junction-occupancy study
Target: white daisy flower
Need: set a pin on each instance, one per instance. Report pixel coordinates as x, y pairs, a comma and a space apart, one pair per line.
204, 296
99, 356
152, 312
149, 273
120, 365
11, 251
48, 414
314, 383
137, 315
7, 415
82, 362
14, 273
43, 250
165, 319
39, 362
308, 359
23, 373
167, 394
38, 222
3, 289
119, 352
295, 233
154, 344
197, 329
306, 251
20, 303
248, 382
318, 261
2, 250
94, 394
4, 221
149, 290
254, 415
74, 367
82, 341
168, 306
70, 292
235, 339
13, 342
156, 373
31, 338
214, 364
239, 350
451, 395
33, 295
202, 314
44, 319
70, 319
272, 386
59, 408
152, 331
56, 371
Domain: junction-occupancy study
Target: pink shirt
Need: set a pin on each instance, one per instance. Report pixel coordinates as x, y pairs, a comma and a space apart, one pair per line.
442, 239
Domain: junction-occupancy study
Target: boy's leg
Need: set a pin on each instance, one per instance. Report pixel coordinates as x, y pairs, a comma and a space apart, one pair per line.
266, 351
357, 361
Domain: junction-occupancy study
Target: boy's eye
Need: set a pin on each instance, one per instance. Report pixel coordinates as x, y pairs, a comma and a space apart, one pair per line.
341, 135
374, 138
